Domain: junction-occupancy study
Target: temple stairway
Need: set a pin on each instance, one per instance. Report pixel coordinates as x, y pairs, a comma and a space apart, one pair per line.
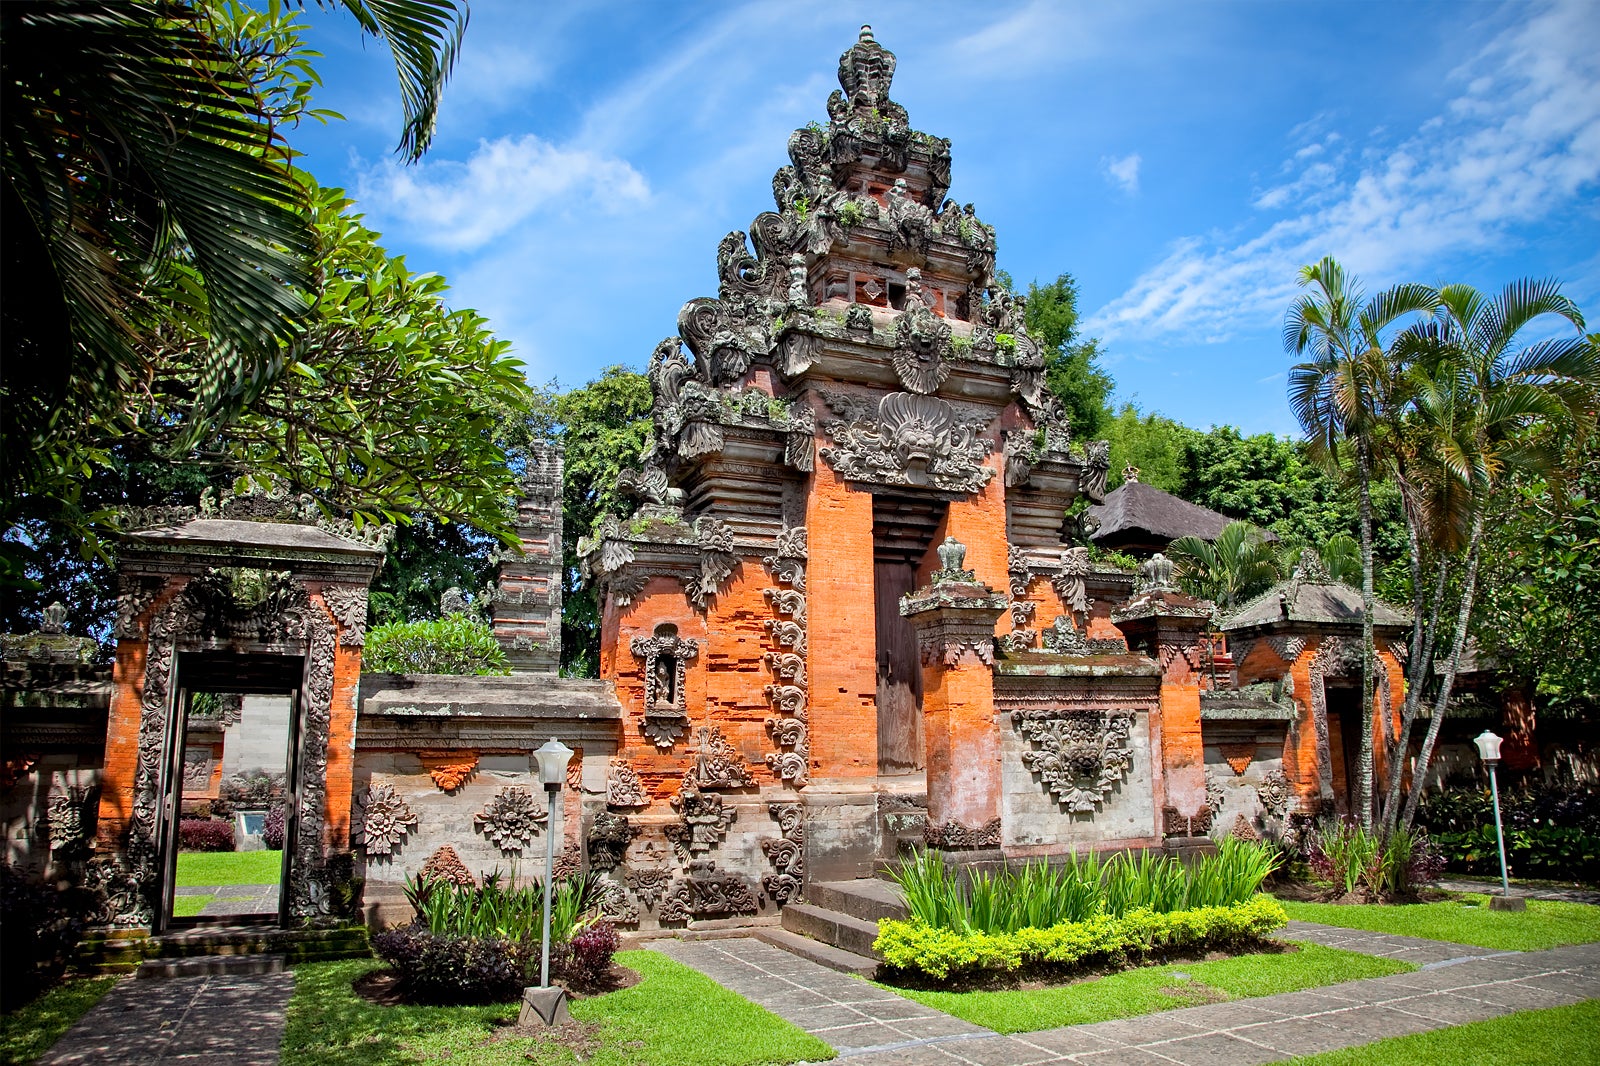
195, 947
838, 923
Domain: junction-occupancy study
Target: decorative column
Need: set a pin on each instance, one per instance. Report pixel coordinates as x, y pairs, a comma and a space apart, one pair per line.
1167, 625
955, 617
527, 589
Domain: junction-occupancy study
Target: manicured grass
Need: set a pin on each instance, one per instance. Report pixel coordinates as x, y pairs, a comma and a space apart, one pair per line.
673, 1017
1562, 1035
28, 1032
1545, 924
202, 868
189, 906
1157, 988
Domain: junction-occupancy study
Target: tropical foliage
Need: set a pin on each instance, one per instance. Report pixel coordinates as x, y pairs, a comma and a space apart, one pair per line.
454, 644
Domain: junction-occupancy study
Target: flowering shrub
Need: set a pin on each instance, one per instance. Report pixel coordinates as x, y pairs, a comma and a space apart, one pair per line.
447, 969
919, 949
205, 834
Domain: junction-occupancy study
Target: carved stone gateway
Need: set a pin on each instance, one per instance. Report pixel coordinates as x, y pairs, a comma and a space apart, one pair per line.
247, 594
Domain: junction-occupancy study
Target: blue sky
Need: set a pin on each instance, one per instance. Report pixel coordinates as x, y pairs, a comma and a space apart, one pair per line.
1181, 160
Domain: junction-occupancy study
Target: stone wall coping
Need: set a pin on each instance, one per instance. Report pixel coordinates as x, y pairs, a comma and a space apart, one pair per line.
541, 696
231, 533
1046, 664
1246, 713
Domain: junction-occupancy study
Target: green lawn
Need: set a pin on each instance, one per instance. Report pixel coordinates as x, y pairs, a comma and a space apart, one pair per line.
1563, 1035
1545, 924
673, 1017
202, 868
1157, 988
189, 906
27, 1033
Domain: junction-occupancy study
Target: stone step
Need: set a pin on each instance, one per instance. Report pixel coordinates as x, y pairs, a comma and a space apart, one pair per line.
831, 927
210, 966
870, 899
816, 951
120, 955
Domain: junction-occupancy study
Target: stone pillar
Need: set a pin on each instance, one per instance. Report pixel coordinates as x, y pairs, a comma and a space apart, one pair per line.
955, 618
1167, 625
527, 595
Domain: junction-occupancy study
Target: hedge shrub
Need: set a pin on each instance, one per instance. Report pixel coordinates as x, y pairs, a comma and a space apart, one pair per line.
453, 970
915, 947
454, 644
205, 834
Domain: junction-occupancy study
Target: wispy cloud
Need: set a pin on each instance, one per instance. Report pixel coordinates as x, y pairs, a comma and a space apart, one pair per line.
1122, 173
1519, 144
459, 206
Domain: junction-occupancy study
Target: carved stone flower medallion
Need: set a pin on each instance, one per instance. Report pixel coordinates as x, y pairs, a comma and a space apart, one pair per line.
511, 819
385, 817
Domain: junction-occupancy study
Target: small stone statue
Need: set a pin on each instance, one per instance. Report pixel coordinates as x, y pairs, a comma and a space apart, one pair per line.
1155, 573
454, 601
952, 557
55, 618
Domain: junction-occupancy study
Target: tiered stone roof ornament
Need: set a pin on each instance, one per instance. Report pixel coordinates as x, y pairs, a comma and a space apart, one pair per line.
865, 274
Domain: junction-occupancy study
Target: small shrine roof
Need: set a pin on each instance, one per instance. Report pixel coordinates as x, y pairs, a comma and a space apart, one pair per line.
1311, 597
1147, 509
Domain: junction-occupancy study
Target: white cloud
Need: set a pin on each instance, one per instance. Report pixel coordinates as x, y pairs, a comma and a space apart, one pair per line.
1122, 173
1519, 145
460, 206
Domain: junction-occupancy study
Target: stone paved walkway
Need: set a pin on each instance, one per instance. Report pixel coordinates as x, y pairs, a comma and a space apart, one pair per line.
235, 899
1458, 985
194, 1021
1556, 892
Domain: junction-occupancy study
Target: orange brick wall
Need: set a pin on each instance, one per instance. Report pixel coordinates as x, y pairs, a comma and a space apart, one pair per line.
841, 630
963, 744
122, 731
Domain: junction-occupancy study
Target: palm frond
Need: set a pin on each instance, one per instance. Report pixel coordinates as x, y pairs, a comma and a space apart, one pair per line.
425, 38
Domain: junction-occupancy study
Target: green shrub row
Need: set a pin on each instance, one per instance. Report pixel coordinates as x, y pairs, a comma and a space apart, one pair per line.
1538, 851
1039, 895
916, 947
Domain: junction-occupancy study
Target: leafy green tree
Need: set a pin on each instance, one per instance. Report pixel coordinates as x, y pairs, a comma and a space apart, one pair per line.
1153, 443
454, 644
425, 559
141, 138
1506, 402
1072, 368
1238, 565
603, 428
1338, 394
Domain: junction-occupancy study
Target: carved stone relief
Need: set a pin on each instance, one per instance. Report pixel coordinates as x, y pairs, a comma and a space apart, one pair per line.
717, 560
613, 903
787, 854
623, 787
951, 835
609, 837
383, 817
649, 885
907, 439
707, 893
666, 664
1080, 756
921, 347
717, 763
704, 821
1275, 793
449, 769
446, 866
67, 822
511, 819
1063, 638
348, 605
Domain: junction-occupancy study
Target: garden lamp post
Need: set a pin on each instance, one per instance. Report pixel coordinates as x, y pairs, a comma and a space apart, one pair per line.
1489, 751
548, 1004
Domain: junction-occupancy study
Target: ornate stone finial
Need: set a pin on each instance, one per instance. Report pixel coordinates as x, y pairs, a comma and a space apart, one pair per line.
55, 618
454, 601
1310, 570
952, 557
866, 71
1130, 475
1155, 574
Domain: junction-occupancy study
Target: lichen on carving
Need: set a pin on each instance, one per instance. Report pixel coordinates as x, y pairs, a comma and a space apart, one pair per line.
384, 818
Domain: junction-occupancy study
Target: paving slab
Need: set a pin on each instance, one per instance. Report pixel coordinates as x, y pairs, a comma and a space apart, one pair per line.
1415, 950
234, 1019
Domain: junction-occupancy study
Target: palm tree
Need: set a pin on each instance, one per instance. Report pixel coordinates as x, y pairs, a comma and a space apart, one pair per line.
1339, 393
1238, 565
1502, 396
135, 135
